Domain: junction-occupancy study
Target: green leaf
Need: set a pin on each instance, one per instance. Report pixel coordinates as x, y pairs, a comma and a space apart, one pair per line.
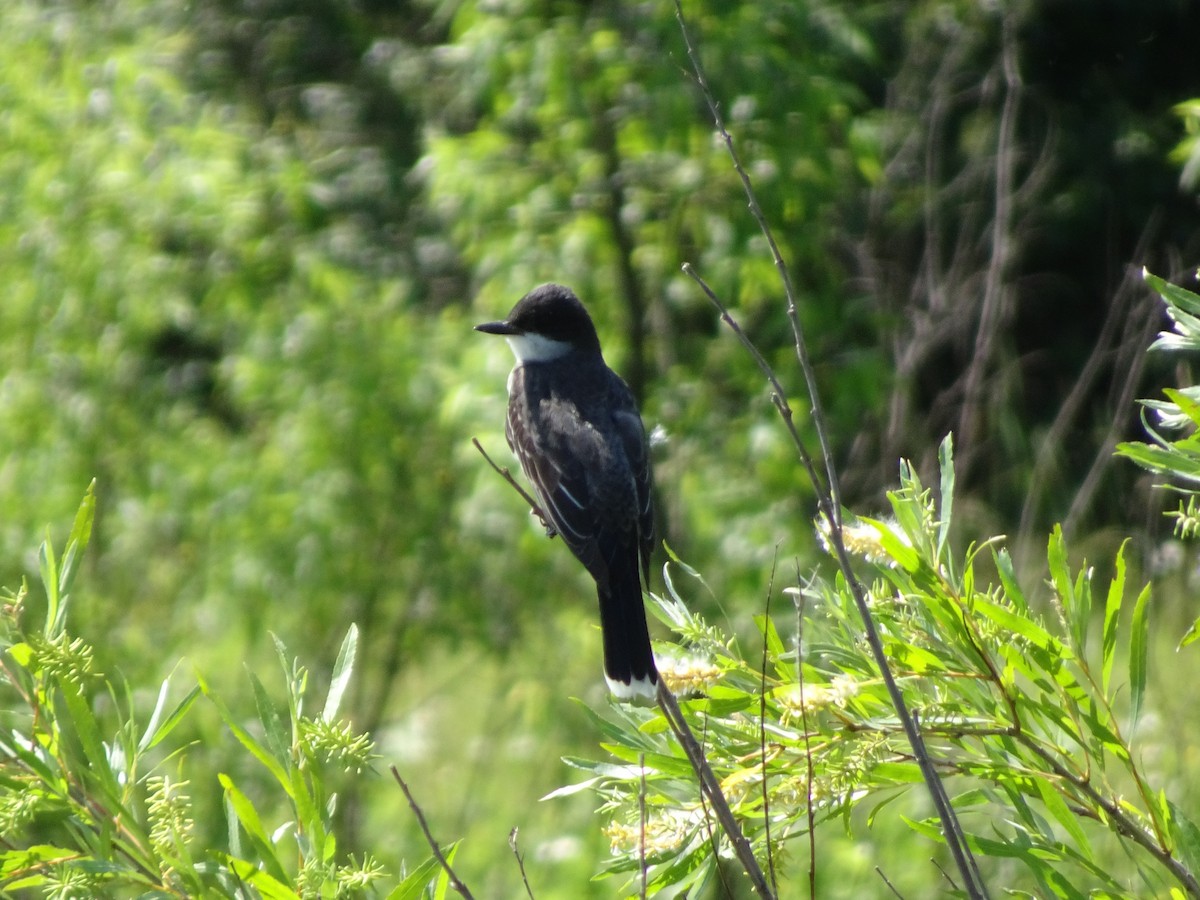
414, 885
1186, 404
158, 728
1016, 623
81, 532
1158, 459
1140, 628
1057, 807
1060, 574
893, 544
48, 567
248, 740
270, 886
1008, 580
342, 670
1173, 294
252, 825
1185, 835
1081, 611
1112, 609
82, 723
946, 510
22, 654
766, 625
1189, 637
278, 739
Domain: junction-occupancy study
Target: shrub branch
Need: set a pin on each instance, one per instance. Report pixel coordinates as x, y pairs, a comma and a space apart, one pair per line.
829, 494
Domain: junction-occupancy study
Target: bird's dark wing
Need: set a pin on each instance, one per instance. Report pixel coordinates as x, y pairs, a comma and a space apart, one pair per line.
558, 477
633, 439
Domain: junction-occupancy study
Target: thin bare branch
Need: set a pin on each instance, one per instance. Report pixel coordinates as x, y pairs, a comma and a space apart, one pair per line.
512, 844
762, 725
891, 887
829, 494
504, 473
455, 881
808, 756
710, 787
645, 869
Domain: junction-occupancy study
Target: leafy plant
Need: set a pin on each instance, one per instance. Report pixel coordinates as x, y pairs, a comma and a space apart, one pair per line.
1031, 719
1177, 458
94, 798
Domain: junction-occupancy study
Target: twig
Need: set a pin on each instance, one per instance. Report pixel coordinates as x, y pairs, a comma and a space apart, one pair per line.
455, 882
1119, 819
808, 757
711, 788
762, 726
785, 277
952, 831
778, 395
829, 495
507, 476
711, 836
891, 887
642, 824
512, 843
937, 865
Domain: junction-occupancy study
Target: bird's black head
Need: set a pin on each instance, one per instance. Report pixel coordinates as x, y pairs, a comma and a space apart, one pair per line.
550, 311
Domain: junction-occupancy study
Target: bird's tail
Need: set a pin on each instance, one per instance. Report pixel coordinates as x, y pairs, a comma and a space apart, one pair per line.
628, 660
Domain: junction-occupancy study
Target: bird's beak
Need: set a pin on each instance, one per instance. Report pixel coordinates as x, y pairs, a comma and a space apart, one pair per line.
502, 328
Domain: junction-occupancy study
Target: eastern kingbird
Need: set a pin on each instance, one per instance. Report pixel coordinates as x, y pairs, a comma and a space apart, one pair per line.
574, 425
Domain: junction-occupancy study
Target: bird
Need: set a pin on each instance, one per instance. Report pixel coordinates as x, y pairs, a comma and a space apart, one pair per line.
574, 426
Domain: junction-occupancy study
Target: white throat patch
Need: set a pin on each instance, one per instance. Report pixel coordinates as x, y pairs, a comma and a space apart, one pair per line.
536, 348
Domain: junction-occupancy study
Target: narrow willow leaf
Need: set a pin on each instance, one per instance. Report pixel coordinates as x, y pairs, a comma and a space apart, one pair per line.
80, 718
246, 813
342, 670
247, 740
893, 545
1060, 575
1140, 628
774, 642
1186, 404
1158, 459
264, 885
1190, 636
1015, 622
251, 824
1008, 580
158, 727
1057, 807
442, 891
278, 740
48, 568
1185, 835
81, 532
569, 789
414, 885
946, 510
1081, 611
308, 814
1173, 294
1112, 610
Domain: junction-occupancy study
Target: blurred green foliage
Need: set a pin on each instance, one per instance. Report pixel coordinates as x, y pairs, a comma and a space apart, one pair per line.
243, 243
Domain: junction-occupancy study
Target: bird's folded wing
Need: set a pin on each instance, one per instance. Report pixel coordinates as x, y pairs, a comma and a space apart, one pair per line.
562, 488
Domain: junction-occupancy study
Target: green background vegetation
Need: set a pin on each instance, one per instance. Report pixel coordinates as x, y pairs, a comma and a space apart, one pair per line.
243, 243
